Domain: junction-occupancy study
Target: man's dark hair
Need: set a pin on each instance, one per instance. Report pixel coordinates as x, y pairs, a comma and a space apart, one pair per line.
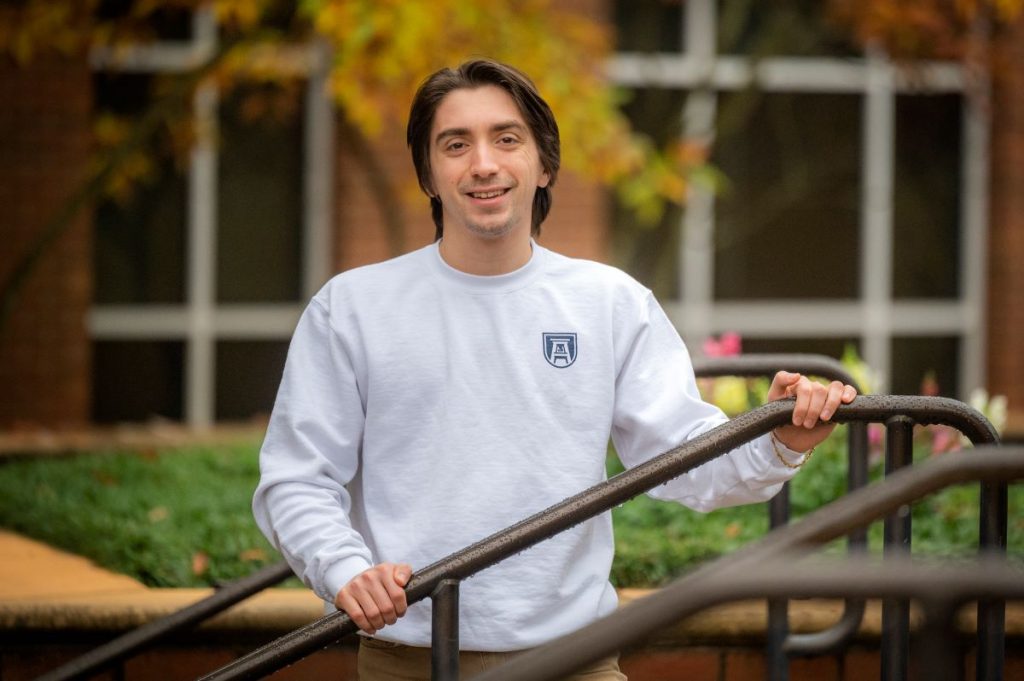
470, 75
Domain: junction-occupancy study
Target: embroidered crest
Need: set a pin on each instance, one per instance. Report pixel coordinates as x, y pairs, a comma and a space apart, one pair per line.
560, 349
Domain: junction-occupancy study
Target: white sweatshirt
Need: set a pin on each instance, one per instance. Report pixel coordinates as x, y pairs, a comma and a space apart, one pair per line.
423, 409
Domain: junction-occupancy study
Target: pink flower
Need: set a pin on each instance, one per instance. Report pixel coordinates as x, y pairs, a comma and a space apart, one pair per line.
727, 345
944, 439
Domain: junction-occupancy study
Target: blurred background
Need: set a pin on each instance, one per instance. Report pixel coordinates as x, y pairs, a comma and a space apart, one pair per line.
178, 178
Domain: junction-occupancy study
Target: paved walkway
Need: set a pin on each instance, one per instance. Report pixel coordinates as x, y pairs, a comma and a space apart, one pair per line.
44, 588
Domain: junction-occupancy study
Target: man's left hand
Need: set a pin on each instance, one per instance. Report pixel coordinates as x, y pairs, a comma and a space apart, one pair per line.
815, 405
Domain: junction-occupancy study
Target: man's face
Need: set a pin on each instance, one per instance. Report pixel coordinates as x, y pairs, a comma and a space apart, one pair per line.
484, 163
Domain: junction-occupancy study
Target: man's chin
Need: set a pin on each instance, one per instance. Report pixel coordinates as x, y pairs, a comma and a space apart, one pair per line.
491, 230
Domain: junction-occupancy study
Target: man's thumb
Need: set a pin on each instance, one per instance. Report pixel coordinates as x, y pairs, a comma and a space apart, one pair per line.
402, 574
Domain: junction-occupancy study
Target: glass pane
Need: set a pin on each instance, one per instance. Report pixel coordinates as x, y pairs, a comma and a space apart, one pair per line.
832, 347
137, 380
799, 28
787, 223
248, 373
648, 251
926, 215
915, 359
139, 248
260, 182
649, 25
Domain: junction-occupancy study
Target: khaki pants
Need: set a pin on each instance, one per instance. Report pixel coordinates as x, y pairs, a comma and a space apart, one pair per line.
385, 661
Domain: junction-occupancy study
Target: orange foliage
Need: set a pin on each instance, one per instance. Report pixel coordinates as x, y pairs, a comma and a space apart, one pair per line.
921, 29
381, 51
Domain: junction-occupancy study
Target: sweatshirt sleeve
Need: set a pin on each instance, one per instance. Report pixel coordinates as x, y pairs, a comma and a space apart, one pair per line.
311, 451
658, 407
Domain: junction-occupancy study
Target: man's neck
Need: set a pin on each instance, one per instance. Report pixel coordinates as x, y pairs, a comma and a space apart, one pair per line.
486, 257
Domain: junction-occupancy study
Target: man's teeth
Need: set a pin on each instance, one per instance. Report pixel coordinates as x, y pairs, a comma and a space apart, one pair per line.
487, 195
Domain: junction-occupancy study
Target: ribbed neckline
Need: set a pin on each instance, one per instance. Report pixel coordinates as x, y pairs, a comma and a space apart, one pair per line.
501, 283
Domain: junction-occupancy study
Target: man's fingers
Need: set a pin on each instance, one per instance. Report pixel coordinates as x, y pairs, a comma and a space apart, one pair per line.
834, 397
351, 607
376, 597
782, 385
816, 397
396, 589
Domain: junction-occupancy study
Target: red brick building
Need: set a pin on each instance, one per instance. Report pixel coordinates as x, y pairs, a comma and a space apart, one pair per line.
897, 201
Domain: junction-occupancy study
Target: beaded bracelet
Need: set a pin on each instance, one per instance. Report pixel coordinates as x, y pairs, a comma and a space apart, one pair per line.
778, 454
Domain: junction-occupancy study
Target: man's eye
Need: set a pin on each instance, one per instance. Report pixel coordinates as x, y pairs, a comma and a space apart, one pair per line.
508, 139
456, 146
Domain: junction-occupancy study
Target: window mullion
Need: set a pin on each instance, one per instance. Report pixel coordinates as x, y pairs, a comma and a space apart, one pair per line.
202, 262
877, 213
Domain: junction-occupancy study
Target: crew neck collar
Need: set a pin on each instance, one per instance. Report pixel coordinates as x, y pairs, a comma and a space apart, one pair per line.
488, 283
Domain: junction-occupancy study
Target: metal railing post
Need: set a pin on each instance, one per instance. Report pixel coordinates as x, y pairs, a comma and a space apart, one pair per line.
444, 631
994, 513
776, 659
899, 453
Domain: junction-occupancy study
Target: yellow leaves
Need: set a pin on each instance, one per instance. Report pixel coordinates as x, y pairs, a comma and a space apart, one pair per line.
381, 52
41, 26
110, 132
239, 15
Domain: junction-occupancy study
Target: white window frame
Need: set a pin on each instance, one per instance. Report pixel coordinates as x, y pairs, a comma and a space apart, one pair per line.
199, 322
875, 316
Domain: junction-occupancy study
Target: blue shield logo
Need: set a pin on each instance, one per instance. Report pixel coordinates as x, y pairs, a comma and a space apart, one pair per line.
560, 349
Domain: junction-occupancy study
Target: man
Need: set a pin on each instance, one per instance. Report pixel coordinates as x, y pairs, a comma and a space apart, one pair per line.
433, 399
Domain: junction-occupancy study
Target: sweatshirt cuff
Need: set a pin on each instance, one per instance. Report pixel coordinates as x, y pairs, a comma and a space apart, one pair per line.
340, 574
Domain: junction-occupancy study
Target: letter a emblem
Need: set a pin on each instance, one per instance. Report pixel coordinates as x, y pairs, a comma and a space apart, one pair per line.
560, 349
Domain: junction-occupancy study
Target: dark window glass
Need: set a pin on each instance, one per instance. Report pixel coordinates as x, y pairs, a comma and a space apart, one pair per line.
926, 211
260, 196
916, 358
137, 380
644, 249
248, 373
649, 25
832, 347
787, 222
139, 247
780, 28
171, 24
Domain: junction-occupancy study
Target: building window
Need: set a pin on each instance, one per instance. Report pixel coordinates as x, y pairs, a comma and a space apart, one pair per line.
203, 271
854, 206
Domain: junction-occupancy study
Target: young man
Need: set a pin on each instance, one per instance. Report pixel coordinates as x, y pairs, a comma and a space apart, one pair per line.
433, 399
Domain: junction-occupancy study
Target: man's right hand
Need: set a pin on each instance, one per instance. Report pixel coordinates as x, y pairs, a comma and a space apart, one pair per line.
375, 597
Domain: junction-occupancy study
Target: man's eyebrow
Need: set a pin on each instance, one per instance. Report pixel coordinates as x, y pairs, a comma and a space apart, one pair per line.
461, 132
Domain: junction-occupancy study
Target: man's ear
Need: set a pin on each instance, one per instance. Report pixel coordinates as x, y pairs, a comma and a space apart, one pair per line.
545, 179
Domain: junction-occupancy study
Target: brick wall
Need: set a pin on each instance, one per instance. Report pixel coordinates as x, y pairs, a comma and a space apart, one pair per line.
1006, 236
44, 348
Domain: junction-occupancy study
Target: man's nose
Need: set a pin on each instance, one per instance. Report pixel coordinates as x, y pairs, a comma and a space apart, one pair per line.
484, 161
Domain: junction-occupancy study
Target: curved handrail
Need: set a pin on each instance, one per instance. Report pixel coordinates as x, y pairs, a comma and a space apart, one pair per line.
781, 640
602, 497
764, 364
637, 621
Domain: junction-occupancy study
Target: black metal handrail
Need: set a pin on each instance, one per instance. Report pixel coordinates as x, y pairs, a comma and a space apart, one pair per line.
606, 495
748, 572
782, 642
138, 639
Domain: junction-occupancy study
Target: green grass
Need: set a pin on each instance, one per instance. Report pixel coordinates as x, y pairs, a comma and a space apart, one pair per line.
182, 517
